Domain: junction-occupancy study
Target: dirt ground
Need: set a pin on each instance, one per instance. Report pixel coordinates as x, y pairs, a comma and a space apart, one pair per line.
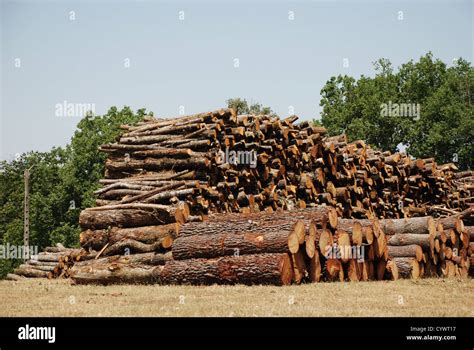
426, 297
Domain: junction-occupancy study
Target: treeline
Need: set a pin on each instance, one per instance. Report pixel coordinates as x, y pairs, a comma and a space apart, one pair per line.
62, 183
425, 106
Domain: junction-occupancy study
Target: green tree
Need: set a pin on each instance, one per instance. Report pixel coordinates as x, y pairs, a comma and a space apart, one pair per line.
62, 184
443, 128
241, 106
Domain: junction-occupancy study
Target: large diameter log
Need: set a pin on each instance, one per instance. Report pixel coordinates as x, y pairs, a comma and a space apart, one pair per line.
452, 222
411, 251
129, 217
299, 267
272, 269
407, 267
315, 267
251, 221
310, 240
391, 270
222, 244
354, 229
469, 230
417, 225
96, 239
401, 239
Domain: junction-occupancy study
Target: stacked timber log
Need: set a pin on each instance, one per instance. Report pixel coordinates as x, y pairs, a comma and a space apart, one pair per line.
162, 173
163, 161
52, 262
284, 247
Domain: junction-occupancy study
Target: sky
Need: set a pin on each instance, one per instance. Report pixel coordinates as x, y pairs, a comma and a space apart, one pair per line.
191, 56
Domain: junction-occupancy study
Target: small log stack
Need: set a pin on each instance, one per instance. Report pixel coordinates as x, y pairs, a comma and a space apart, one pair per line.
52, 262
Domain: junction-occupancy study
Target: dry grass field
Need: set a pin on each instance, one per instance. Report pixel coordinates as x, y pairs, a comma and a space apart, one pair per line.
427, 297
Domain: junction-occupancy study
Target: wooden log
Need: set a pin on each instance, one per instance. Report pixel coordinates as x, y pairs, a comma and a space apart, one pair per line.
411, 251
128, 246
324, 240
354, 274
14, 277
274, 240
391, 271
158, 164
42, 263
245, 223
416, 225
30, 272
273, 269
142, 215
315, 267
452, 222
381, 269
355, 230
334, 270
407, 267
299, 267
96, 239
115, 273
400, 239
310, 240
151, 258
46, 268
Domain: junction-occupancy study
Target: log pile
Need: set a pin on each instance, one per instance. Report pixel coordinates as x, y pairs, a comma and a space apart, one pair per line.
305, 245
163, 161
166, 179
52, 262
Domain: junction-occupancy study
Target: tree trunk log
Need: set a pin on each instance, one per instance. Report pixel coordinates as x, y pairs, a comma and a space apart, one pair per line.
407, 267
272, 269
409, 239
410, 251
274, 240
115, 273
125, 217
96, 239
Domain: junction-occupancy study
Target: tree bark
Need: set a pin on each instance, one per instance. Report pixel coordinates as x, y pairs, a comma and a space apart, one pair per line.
410, 251
400, 239
417, 225
115, 273
274, 240
96, 239
129, 217
128, 246
274, 269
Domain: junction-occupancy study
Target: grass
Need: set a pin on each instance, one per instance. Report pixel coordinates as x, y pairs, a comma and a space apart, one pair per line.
426, 297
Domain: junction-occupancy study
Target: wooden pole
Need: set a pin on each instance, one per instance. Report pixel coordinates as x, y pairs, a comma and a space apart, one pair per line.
26, 223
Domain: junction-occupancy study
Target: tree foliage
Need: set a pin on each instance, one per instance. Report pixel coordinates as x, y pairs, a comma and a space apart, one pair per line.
62, 183
444, 126
241, 106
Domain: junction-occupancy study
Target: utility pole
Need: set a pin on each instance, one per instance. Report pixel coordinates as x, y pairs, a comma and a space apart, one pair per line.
26, 223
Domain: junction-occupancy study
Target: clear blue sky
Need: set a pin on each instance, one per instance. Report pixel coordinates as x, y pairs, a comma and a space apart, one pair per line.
190, 62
